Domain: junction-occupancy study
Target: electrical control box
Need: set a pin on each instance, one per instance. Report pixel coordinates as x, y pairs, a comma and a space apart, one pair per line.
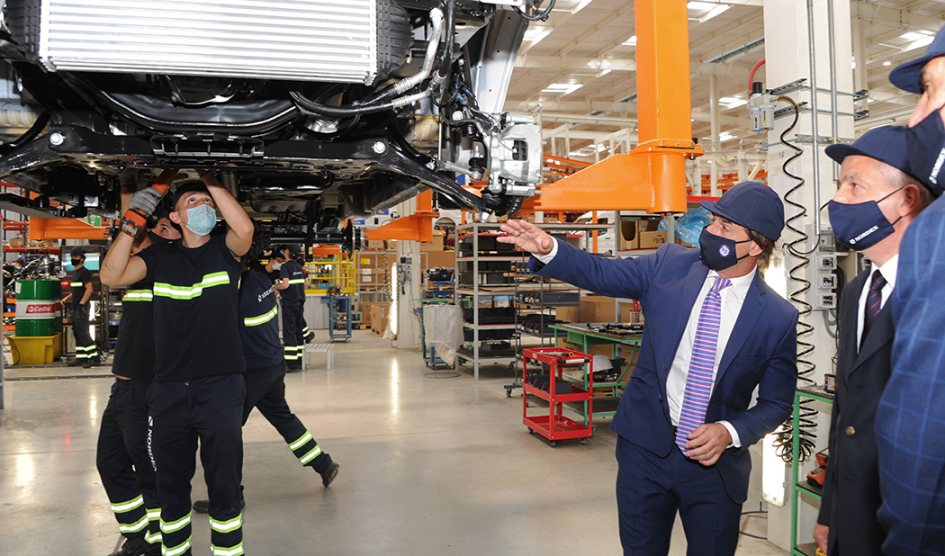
827, 281
825, 301
761, 112
826, 261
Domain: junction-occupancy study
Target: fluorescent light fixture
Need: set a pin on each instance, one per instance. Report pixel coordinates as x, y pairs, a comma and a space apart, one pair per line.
702, 6
912, 36
918, 39
887, 63
562, 88
632, 41
392, 315
773, 471
725, 136
718, 10
732, 102
534, 35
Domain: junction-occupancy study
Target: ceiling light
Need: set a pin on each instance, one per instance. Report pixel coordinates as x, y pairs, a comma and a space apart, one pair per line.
732, 102
725, 136
887, 62
912, 36
562, 88
534, 35
701, 6
632, 41
715, 11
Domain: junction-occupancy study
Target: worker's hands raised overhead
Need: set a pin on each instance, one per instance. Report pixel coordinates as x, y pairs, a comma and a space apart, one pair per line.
527, 237
145, 201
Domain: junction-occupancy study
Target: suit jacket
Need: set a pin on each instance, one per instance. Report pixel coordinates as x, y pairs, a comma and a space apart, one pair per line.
851, 487
910, 421
760, 352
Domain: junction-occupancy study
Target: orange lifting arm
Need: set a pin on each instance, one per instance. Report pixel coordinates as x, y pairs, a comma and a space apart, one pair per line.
652, 177
416, 227
64, 228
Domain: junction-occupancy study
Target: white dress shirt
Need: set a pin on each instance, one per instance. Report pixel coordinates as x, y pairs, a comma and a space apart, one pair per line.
888, 271
732, 298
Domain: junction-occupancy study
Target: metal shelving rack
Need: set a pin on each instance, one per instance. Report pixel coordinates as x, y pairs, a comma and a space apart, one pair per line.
478, 291
797, 487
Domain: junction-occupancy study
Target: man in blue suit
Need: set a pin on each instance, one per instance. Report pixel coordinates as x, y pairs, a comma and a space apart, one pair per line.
715, 333
911, 417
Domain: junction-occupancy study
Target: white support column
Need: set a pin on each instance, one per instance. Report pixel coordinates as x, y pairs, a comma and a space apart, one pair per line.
860, 75
408, 286
742, 166
716, 126
787, 51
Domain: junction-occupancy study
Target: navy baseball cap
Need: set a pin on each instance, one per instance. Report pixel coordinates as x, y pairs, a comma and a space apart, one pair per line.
908, 76
753, 205
77, 252
887, 144
187, 188
294, 248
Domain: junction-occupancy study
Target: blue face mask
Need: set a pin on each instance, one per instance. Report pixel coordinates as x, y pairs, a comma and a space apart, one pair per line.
202, 219
860, 225
718, 253
276, 266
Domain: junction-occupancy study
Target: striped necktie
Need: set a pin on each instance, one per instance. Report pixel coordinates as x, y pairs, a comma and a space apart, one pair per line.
699, 382
874, 303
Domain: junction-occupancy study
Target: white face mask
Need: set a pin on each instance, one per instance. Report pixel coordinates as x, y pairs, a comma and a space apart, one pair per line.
276, 266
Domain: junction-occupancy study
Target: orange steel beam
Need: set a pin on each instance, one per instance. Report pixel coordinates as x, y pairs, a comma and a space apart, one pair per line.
416, 227
64, 228
652, 177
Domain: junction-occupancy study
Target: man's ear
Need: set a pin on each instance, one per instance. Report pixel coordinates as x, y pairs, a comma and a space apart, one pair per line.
912, 200
755, 250
175, 218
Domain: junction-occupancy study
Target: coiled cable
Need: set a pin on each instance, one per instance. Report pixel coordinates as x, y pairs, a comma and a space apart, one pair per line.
784, 441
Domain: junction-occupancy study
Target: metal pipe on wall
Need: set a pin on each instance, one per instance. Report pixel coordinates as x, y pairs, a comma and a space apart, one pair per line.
814, 115
835, 125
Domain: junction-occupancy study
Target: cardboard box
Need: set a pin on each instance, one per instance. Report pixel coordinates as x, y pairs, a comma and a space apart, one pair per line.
379, 314
376, 244
368, 311
436, 245
634, 234
441, 259
16, 242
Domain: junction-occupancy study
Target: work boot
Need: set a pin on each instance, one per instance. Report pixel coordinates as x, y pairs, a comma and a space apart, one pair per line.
309, 337
133, 547
329, 475
86, 363
74, 362
203, 506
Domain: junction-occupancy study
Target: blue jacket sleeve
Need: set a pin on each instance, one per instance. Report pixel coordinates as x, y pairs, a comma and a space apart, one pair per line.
628, 278
775, 392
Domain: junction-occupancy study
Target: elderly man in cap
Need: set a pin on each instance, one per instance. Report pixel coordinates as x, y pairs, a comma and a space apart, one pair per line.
714, 332
876, 201
86, 352
911, 413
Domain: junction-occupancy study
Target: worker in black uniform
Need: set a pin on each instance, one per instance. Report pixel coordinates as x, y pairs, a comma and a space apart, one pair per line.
293, 303
122, 454
86, 352
198, 387
265, 374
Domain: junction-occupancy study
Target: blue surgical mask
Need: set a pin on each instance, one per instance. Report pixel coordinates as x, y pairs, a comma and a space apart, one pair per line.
718, 253
202, 219
276, 266
860, 225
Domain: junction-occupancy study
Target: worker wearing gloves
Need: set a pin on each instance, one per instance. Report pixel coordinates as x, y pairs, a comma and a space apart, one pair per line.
714, 332
293, 303
122, 453
86, 352
265, 375
198, 388
876, 202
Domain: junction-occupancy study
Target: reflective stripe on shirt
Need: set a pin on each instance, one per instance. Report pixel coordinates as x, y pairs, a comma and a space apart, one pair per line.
76, 284
262, 319
138, 295
297, 281
191, 292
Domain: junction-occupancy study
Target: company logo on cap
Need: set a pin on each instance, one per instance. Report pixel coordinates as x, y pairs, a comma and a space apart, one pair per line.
724, 251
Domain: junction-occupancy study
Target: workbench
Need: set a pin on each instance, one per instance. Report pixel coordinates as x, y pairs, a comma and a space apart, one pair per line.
580, 334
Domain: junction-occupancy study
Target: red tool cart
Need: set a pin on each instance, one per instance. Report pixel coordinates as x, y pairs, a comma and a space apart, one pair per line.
554, 426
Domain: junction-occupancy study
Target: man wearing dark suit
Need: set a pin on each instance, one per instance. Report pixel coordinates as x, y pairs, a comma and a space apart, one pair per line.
714, 333
876, 201
911, 415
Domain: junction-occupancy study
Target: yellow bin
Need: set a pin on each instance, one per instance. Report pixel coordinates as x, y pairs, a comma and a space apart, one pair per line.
35, 350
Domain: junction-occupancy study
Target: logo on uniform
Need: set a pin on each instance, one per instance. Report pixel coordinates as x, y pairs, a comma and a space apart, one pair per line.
724, 250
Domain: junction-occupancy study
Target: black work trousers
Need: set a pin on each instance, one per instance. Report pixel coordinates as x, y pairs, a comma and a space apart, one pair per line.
211, 410
85, 348
292, 336
265, 390
124, 465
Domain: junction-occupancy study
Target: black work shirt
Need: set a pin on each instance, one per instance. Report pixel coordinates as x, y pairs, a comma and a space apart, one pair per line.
80, 278
196, 310
134, 353
259, 327
294, 295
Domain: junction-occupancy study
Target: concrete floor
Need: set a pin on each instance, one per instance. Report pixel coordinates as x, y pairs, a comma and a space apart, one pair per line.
429, 467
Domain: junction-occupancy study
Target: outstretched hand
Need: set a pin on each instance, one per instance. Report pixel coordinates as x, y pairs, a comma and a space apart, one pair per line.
527, 237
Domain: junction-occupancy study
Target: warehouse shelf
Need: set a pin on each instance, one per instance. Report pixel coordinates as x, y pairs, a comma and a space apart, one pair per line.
798, 487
